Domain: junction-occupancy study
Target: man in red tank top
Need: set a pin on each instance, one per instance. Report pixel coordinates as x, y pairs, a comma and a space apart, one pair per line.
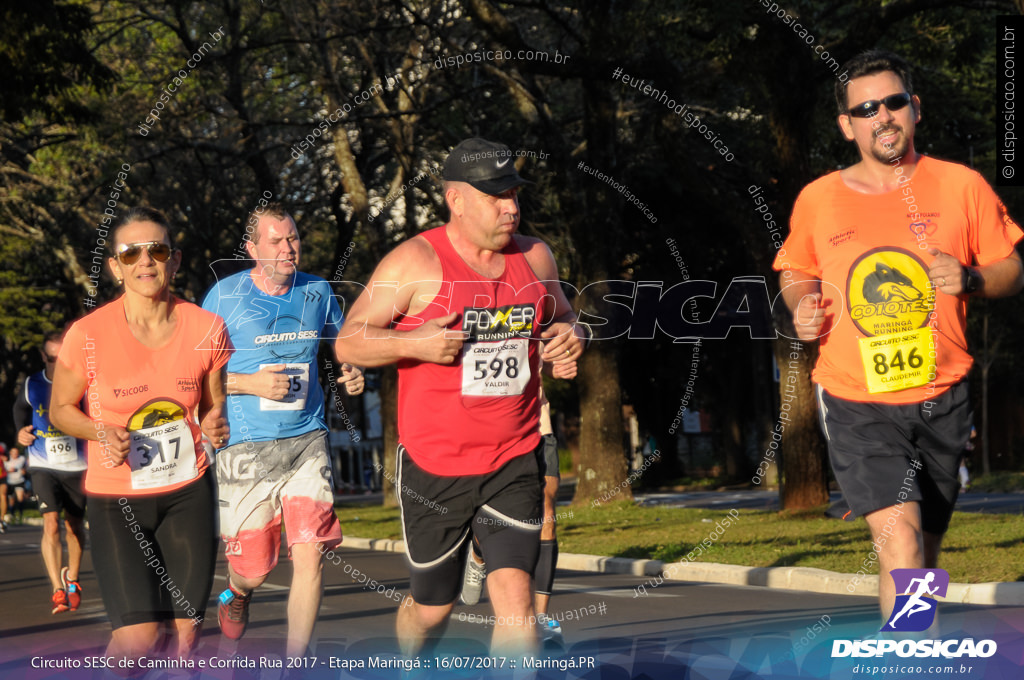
463, 310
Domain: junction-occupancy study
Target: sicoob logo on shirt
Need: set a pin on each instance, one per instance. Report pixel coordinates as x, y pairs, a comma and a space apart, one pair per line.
128, 391
486, 324
915, 600
888, 292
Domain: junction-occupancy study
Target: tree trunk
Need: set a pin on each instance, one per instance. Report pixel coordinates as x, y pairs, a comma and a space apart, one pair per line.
389, 423
804, 462
986, 362
602, 465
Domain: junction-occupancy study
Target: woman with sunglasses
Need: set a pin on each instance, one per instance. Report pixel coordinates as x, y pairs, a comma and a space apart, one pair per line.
150, 370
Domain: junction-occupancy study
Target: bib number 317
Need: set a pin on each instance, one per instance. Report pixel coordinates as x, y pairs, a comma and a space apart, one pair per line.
162, 455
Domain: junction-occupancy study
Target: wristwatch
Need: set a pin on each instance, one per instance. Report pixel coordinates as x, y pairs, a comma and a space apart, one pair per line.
972, 280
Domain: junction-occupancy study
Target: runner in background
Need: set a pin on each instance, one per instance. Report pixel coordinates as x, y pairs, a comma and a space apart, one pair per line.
17, 475
3, 488
58, 463
547, 560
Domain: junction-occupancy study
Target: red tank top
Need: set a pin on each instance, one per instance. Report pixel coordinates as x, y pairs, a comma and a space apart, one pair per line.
473, 416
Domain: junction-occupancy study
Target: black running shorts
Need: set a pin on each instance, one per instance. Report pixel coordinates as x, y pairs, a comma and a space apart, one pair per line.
59, 491
503, 510
888, 454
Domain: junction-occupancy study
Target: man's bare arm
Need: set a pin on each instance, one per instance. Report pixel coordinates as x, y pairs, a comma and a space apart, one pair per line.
802, 294
567, 339
367, 338
1001, 278
270, 382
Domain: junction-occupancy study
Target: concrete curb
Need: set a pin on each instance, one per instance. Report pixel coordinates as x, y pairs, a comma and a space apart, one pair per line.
782, 578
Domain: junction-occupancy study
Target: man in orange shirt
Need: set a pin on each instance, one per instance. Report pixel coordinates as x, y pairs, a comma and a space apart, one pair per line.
879, 263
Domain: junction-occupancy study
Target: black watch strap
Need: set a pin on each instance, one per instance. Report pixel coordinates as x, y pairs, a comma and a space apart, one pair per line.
972, 280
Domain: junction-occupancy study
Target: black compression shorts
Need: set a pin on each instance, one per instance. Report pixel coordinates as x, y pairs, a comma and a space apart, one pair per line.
549, 456
154, 556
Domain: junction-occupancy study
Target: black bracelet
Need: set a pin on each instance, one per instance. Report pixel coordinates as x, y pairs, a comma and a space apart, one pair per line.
590, 332
972, 280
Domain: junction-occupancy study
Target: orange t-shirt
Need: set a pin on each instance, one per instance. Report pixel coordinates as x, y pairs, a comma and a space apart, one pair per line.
152, 393
889, 336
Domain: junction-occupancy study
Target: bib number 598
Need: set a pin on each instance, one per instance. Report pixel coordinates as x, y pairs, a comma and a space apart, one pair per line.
510, 368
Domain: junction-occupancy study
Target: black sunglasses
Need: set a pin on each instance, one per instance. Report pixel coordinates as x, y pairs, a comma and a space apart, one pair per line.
129, 253
869, 109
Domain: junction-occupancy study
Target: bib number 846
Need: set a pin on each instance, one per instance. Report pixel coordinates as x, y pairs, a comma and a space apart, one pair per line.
883, 363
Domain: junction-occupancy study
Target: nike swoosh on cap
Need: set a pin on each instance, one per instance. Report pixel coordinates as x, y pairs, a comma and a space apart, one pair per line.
501, 164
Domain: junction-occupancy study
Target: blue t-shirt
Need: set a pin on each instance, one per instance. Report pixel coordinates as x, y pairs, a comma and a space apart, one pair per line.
52, 449
276, 329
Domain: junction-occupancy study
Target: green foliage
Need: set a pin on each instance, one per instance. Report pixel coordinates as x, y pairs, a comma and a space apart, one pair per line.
81, 78
46, 59
28, 312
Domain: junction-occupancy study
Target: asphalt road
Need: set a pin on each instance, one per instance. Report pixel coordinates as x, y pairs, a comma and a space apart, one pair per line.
678, 630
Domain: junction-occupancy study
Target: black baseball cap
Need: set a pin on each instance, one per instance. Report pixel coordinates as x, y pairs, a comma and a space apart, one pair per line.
486, 166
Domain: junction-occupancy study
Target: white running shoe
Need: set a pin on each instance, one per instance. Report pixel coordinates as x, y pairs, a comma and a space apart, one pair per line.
472, 580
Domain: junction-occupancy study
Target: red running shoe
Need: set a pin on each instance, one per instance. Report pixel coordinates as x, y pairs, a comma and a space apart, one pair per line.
74, 589
233, 612
60, 601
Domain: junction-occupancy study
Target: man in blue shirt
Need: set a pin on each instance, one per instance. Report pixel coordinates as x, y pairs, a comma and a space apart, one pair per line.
275, 465
57, 462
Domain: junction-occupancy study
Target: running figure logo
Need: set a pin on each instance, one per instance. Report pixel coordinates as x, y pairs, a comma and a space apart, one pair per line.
915, 608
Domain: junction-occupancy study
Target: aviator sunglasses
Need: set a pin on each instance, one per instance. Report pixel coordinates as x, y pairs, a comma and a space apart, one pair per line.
869, 109
129, 253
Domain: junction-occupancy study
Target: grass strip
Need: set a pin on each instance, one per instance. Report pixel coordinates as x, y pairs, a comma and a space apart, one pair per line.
978, 547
